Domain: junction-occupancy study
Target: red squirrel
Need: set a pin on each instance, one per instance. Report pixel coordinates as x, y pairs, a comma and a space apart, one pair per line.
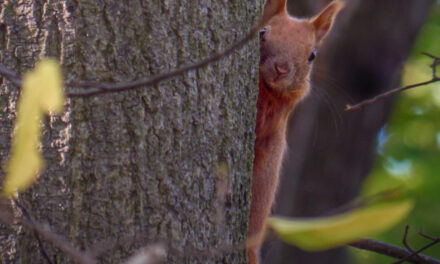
287, 49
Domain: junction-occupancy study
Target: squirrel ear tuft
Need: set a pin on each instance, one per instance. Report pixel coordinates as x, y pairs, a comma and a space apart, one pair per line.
323, 21
272, 8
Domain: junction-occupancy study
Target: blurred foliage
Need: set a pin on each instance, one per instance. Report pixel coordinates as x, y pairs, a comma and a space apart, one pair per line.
42, 92
323, 233
409, 149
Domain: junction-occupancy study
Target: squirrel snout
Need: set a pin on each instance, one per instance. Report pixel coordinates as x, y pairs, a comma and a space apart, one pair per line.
278, 73
281, 68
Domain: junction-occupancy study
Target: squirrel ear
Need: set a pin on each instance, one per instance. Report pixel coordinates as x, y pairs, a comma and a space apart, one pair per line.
324, 21
272, 8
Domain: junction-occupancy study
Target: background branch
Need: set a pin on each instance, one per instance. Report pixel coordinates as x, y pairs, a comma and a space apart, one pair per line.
96, 88
103, 88
393, 251
58, 241
10, 75
434, 79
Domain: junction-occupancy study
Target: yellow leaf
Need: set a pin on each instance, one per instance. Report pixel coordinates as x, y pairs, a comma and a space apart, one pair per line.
47, 79
329, 232
42, 92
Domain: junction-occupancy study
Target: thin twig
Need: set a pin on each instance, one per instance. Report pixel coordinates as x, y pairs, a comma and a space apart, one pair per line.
56, 240
404, 240
416, 253
103, 88
430, 55
42, 249
349, 107
434, 79
393, 251
421, 233
95, 88
10, 75
37, 237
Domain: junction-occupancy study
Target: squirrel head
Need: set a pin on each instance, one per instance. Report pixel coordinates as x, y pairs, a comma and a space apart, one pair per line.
288, 45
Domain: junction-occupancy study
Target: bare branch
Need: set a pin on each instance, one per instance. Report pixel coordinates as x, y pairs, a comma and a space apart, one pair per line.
103, 88
416, 253
434, 79
394, 251
430, 55
60, 242
91, 89
10, 75
421, 233
404, 240
56, 240
349, 107
37, 237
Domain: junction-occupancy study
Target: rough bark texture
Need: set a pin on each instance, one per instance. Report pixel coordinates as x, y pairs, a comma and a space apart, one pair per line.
330, 151
130, 167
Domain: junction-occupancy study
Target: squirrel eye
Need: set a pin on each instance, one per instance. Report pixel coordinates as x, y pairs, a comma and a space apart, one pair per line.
312, 56
262, 32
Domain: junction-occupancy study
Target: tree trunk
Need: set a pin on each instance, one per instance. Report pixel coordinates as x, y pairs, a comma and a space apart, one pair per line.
128, 168
332, 151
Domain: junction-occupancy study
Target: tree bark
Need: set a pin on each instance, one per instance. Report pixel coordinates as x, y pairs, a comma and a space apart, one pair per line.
128, 168
332, 151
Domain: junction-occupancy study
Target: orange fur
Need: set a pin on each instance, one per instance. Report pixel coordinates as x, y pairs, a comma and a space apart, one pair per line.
285, 48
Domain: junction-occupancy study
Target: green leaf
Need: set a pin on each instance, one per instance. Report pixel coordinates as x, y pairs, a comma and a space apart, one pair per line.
42, 92
329, 232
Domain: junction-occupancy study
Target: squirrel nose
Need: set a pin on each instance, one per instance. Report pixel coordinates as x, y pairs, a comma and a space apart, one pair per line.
281, 68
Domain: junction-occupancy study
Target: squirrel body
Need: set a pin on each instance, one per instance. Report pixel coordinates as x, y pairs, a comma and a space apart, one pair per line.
287, 48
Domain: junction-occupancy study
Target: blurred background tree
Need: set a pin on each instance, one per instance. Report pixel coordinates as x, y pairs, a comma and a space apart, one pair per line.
332, 151
408, 152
